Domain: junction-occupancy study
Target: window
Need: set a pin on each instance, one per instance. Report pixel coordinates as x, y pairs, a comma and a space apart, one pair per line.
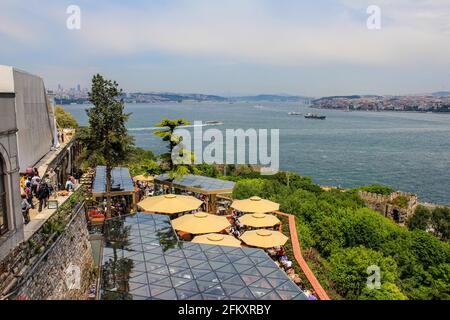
3, 209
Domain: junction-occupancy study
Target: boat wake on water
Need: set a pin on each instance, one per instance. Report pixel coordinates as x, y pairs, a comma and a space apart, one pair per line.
205, 124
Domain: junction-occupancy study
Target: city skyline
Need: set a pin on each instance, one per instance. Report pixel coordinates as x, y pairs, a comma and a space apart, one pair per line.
294, 47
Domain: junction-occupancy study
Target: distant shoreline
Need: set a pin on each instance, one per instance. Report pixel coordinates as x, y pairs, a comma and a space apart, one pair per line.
378, 111
225, 102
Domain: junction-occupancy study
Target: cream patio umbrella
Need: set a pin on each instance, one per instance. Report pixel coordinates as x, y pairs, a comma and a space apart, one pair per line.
259, 220
200, 223
144, 178
169, 204
264, 238
255, 204
217, 239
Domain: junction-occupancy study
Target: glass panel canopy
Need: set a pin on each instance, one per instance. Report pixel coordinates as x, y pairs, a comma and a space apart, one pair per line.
143, 259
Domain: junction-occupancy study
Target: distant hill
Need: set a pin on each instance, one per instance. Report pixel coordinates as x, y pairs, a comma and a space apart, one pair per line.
269, 98
347, 97
337, 97
172, 97
155, 97
441, 94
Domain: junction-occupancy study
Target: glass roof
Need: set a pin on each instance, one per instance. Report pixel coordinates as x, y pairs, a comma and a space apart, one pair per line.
120, 180
143, 259
199, 183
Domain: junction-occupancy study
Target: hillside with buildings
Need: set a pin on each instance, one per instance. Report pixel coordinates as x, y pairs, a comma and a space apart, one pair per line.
438, 102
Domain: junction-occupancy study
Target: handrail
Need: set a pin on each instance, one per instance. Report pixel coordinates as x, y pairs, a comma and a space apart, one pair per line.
322, 294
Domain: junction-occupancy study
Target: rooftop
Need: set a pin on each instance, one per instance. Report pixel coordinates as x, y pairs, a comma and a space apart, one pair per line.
121, 180
143, 259
199, 184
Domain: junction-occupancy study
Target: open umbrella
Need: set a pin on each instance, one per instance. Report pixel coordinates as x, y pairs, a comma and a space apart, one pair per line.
200, 223
217, 239
264, 238
169, 204
144, 178
259, 220
255, 204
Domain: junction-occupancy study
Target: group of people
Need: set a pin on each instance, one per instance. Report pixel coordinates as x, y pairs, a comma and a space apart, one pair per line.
279, 255
143, 189
33, 186
237, 227
119, 207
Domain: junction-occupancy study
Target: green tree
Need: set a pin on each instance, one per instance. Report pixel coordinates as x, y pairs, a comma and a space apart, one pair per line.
349, 271
420, 220
167, 133
440, 223
106, 140
377, 188
141, 161
247, 188
329, 235
388, 291
145, 167
368, 228
175, 147
64, 119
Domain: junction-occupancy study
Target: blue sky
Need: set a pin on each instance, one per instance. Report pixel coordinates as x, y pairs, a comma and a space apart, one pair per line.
316, 48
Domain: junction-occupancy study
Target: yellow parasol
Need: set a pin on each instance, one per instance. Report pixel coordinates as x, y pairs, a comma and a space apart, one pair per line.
144, 178
255, 204
169, 204
200, 223
259, 220
217, 239
264, 238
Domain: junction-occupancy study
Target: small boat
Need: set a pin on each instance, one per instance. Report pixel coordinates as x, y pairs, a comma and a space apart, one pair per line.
213, 122
293, 113
310, 115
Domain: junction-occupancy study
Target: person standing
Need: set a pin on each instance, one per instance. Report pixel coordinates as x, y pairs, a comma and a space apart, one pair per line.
43, 193
25, 209
69, 184
35, 181
28, 193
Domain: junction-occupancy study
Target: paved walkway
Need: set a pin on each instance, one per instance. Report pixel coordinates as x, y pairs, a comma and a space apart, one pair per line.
321, 293
37, 219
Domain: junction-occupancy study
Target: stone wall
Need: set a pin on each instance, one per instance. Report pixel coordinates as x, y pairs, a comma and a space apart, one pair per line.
51, 278
384, 204
34, 271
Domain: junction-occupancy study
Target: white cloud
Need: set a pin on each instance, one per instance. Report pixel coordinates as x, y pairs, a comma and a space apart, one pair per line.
245, 33
182, 41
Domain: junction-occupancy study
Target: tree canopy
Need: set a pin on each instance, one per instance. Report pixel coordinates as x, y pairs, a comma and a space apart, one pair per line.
436, 220
175, 147
64, 119
106, 139
350, 237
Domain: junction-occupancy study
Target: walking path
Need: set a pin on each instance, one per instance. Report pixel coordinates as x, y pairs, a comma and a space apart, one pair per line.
37, 219
321, 293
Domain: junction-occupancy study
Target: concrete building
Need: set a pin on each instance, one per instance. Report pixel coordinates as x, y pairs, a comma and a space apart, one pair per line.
27, 134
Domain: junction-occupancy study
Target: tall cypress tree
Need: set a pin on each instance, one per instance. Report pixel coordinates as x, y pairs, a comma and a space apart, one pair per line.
107, 140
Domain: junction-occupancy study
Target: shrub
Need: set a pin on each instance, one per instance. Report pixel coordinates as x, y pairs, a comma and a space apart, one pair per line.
376, 188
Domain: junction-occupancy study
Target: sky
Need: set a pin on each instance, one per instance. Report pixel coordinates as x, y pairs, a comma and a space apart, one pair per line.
233, 47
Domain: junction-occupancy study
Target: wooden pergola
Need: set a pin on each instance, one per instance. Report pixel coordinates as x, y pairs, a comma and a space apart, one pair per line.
121, 184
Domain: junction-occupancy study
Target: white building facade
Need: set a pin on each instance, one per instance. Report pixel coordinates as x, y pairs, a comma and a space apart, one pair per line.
26, 135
